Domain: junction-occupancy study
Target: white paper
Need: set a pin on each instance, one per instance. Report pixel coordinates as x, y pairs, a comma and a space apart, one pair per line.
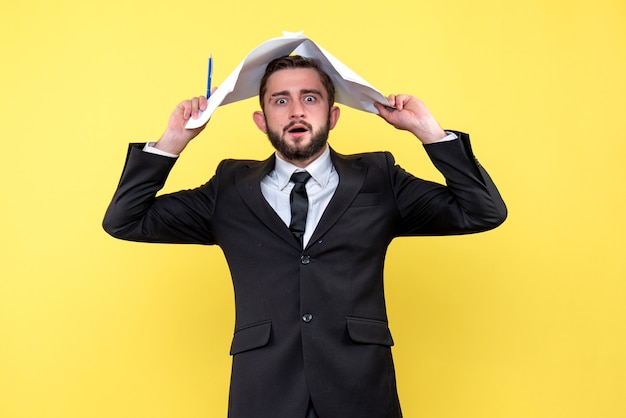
243, 83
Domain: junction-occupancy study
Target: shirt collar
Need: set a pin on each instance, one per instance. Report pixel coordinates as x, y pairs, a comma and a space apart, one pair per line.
319, 169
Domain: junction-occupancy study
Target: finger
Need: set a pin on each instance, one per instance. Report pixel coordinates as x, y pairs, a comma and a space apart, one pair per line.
384, 111
203, 103
399, 103
402, 100
195, 106
185, 109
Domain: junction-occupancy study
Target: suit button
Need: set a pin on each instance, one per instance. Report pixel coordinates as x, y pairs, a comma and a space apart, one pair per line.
305, 259
307, 317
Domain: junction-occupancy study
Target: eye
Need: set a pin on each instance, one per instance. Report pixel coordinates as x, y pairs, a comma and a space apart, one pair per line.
281, 101
310, 98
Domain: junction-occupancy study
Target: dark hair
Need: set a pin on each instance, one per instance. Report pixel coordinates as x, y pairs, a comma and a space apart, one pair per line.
291, 62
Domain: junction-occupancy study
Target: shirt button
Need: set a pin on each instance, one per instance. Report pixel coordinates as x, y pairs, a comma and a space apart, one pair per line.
307, 317
305, 259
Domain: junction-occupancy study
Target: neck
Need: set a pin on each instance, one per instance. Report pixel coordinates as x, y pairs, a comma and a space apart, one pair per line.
302, 163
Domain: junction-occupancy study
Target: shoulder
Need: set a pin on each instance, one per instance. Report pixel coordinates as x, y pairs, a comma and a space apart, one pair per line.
377, 158
237, 167
233, 164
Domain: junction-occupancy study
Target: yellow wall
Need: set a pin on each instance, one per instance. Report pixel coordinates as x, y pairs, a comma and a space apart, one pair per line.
526, 321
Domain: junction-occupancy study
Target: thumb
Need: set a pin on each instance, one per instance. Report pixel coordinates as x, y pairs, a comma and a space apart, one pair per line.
384, 111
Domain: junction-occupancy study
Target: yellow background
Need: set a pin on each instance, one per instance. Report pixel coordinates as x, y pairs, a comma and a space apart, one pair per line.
525, 321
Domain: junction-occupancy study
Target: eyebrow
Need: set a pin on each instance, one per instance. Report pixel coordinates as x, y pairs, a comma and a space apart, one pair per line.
303, 91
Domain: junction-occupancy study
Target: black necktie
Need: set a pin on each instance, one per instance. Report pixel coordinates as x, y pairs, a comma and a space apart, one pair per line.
299, 203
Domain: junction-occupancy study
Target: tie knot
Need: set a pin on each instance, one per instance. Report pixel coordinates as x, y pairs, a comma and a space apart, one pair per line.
300, 177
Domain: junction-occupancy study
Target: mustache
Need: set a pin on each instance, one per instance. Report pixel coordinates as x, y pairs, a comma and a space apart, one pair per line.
298, 122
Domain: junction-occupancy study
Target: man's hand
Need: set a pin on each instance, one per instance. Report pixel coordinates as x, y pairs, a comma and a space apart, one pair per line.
412, 115
176, 137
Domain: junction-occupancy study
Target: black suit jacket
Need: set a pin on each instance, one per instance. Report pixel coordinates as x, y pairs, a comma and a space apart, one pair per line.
310, 324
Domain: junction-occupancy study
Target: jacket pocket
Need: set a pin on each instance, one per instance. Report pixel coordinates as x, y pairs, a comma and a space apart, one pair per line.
369, 331
251, 337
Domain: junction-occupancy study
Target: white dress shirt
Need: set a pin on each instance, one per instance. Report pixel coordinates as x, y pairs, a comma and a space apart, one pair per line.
276, 188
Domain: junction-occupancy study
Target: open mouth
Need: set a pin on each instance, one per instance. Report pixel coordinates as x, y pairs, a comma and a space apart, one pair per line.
298, 128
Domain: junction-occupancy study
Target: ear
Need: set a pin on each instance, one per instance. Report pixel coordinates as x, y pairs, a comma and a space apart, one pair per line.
334, 116
259, 120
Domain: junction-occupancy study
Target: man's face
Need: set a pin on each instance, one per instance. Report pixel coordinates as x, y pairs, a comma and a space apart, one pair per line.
297, 117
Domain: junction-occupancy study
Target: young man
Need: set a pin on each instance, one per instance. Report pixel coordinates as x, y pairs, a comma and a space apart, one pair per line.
311, 335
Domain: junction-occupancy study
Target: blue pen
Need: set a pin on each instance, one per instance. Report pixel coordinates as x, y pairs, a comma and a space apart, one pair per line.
210, 76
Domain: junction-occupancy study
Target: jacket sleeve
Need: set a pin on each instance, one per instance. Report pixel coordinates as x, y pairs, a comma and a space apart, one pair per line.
136, 214
470, 201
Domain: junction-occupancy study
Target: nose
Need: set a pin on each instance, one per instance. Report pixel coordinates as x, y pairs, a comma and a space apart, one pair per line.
297, 110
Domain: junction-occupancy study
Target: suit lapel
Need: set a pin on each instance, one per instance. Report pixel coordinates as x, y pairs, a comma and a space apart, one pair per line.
351, 176
248, 183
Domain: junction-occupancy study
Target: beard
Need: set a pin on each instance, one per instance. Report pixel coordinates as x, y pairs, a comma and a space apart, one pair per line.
296, 152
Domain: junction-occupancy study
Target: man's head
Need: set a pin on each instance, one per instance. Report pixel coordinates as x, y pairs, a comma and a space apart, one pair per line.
297, 99
292, 62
